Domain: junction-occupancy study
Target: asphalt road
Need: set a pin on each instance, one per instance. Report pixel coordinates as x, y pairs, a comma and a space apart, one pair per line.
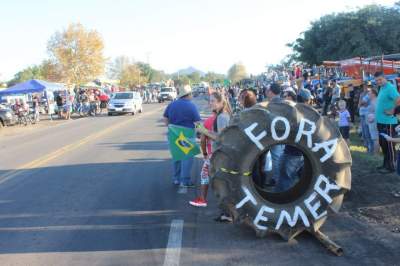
98, 191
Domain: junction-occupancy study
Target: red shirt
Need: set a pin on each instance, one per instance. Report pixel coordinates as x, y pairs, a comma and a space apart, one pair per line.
104, 97
208, 124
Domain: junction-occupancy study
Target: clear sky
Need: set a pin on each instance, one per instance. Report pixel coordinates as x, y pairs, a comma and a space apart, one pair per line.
209, 35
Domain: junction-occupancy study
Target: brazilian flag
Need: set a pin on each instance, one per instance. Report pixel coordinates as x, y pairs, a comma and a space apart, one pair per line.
182, 143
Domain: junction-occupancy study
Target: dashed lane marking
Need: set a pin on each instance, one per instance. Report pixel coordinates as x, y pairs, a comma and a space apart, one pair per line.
173, 250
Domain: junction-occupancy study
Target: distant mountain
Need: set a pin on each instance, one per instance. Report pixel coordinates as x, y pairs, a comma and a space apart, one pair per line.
189, 70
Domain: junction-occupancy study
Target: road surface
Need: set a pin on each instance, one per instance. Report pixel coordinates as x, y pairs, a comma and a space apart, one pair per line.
98, 191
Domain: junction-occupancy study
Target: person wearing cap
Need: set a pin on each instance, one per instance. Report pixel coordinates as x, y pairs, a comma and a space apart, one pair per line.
304, 96
289, 94
184, 113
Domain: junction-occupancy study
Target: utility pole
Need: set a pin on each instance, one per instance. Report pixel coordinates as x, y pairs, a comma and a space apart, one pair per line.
148, 57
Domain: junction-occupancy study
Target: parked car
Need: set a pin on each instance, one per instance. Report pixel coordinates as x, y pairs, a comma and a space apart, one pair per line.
167, 94
7, 117
128, 102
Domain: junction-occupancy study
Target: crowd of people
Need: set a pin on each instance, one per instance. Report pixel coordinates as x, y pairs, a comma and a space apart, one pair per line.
150, 95
369, 110
81, 101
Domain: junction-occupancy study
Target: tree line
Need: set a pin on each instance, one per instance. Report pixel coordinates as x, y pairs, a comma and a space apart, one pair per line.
368, 31
76, 56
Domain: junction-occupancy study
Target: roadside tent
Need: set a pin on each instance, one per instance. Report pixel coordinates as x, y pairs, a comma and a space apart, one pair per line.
32, 86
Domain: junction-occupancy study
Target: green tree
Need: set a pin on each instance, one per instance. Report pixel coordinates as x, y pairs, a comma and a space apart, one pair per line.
32, 72
194, 77
237, 72
116, 68
211, 77
146, 71
181, 80
158, 76
372, 30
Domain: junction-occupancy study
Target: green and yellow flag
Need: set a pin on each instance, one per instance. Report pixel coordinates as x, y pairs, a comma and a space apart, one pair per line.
182, 142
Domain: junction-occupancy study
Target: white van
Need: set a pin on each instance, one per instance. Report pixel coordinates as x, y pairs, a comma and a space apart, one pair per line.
167, 94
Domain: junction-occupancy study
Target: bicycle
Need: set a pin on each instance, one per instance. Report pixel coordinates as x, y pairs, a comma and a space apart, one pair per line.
24, 117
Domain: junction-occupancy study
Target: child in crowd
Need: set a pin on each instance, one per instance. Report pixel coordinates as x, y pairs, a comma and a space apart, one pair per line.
205, 144
344, 121
220, 105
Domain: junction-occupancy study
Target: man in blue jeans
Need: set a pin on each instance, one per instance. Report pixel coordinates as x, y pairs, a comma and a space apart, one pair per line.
184, 113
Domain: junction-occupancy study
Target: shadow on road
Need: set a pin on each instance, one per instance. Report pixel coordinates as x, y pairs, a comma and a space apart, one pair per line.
142, 145
88, 207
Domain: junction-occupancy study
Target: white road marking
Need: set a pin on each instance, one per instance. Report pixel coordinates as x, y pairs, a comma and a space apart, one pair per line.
69, 228
40, 162
173, 251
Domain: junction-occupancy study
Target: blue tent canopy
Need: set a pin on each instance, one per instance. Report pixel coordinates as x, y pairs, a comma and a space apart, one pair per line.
32, 86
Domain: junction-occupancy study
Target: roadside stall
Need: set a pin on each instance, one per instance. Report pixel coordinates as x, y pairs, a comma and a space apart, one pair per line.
26, 90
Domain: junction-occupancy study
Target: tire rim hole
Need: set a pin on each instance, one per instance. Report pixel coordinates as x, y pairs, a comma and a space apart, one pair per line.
294, 173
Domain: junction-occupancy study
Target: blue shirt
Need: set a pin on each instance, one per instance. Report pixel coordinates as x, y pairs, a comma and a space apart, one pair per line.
386, 101
364, 109
182, 112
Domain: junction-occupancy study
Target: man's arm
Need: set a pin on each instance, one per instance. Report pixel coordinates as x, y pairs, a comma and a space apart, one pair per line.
397, 101
165, 116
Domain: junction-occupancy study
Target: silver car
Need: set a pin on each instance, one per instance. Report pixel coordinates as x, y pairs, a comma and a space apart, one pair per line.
128, 102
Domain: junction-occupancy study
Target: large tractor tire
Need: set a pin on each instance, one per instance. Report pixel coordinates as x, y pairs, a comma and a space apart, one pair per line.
326, 174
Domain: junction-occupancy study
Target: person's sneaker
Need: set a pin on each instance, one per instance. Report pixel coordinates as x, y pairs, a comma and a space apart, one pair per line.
176, 182
188, 185
198, 202
223, 218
